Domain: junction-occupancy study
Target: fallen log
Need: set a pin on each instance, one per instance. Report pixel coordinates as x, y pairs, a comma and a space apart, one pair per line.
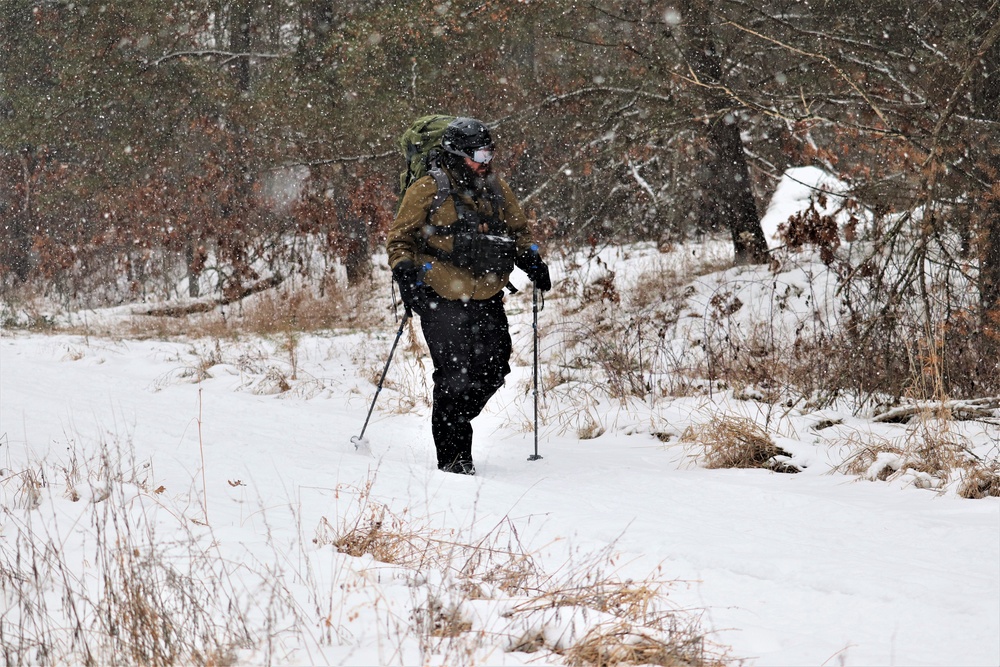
206, 305
975, 408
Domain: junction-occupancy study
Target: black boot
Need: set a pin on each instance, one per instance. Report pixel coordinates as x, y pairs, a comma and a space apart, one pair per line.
460, 467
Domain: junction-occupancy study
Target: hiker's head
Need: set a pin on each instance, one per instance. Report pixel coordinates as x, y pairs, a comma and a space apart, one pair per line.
467, 143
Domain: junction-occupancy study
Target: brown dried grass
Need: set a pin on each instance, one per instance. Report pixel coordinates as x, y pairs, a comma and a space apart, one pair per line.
287, 308
980, 480
865, 451
639, 628
303, 309
497, 558
621, 644
153, 605
930, 448
736, 442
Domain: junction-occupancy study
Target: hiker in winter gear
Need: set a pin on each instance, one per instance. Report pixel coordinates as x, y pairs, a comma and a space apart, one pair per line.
457, 236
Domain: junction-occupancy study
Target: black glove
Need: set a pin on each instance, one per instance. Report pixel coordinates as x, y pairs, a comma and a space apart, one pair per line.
537, 270
408, 278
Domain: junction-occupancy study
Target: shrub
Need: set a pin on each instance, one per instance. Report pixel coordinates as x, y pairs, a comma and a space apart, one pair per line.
736, 442
930, 455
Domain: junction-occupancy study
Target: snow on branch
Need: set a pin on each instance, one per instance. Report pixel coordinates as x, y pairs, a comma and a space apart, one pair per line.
643, 183
228, 56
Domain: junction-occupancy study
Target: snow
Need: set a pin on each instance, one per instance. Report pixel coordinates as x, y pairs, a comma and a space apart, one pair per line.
799, 188
237, 462
799, 569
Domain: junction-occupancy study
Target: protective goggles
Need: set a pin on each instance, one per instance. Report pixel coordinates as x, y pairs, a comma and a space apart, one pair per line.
482, 155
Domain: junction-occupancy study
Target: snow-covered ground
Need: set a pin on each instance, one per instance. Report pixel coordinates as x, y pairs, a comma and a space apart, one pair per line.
213, 477
811, 568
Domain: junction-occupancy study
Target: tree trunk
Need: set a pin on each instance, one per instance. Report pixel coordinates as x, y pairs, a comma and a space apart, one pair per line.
989, 284
21, 223
734, 204
357, 259
989, 292
986, 97
191, 260
240, 31
989, 272
353, 230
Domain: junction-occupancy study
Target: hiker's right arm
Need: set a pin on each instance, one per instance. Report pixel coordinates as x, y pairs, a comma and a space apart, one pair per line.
405, 237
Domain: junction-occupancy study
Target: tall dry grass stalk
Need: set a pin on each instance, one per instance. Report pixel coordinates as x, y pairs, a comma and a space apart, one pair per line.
155, 589
615, 621
136, 600
409, 373
624, 351
619, 643
294, 306
497, 558
604, 620
979, 480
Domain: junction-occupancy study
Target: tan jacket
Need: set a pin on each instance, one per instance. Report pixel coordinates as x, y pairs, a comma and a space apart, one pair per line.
406, 238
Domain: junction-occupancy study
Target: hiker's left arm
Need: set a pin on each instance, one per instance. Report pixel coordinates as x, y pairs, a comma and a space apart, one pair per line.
405, 235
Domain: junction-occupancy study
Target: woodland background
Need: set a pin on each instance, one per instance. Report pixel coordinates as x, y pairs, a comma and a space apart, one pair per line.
151, 148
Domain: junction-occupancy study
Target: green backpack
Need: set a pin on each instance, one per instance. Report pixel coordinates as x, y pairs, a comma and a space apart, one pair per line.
420, 145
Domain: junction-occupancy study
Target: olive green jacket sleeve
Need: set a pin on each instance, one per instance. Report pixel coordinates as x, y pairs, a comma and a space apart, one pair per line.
411, 235
406, 236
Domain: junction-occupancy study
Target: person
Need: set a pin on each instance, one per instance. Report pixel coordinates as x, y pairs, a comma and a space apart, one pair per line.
457, 236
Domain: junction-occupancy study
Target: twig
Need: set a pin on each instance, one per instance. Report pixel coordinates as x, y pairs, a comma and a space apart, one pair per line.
201, 450
207, 53
337, 160
889, 130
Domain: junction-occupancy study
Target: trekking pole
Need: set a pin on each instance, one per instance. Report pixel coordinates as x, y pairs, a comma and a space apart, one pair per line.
359, 439
534, 364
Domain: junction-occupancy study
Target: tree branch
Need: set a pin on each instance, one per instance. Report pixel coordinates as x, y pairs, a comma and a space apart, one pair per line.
832, 36
989, 40
583, 92
208, 53
843, 75
338, 160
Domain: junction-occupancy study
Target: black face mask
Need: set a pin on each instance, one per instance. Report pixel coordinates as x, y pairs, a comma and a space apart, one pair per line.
465, 176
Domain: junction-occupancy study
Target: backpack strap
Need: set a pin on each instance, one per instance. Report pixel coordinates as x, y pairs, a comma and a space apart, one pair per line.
443, 189
495, 194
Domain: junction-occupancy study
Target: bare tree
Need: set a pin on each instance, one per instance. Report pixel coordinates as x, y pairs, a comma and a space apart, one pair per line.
733, 202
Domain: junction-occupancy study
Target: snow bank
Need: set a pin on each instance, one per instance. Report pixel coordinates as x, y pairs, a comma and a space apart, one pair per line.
798, 189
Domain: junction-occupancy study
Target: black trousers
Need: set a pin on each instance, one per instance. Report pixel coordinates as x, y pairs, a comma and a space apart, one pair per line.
470, 346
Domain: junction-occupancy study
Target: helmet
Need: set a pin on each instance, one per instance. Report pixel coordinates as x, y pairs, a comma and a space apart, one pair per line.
466, 137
